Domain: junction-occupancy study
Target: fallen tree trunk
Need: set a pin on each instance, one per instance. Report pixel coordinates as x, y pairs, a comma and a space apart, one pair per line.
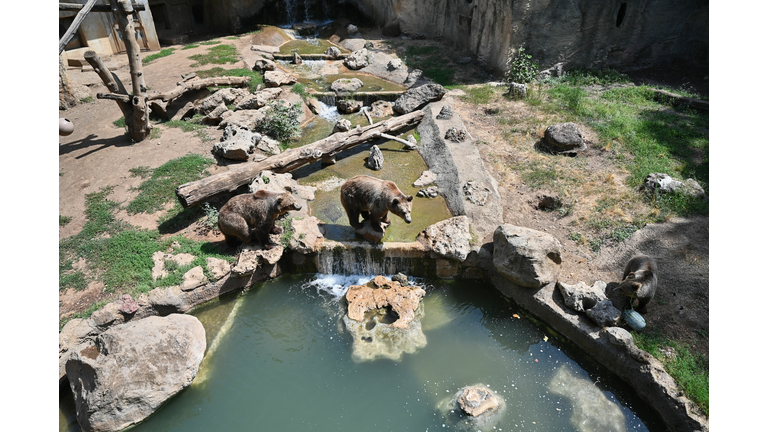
198, 191
185, 86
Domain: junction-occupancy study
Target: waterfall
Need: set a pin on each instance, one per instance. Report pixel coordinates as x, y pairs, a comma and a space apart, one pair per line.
290, 10
307, 17
367, 259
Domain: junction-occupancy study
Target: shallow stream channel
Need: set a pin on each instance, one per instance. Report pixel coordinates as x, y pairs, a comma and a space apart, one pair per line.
280, 358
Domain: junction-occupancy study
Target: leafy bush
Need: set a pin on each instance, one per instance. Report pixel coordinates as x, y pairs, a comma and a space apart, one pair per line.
281, 121
521, 69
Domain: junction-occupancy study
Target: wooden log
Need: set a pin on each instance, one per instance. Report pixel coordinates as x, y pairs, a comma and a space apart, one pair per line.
198, 191
183, 87
96, 8
697, 104
113, 83
114, 96
368, 116
75, 24
409, 144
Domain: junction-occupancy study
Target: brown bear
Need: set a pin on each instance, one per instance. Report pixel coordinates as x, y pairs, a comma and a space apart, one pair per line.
639, 281
373, 199
250, 217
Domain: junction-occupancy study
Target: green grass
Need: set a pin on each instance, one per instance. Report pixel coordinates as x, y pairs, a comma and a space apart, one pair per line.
256, 77
218, 54
120, 123
431, 61
191, 125
87, 99
480, 95
301, 90
690, 370
190, 46
648, 136
152, 57
84, 314
63, 220
159, 189
211, 42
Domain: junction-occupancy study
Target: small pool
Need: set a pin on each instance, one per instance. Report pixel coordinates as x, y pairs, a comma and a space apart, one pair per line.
279, 359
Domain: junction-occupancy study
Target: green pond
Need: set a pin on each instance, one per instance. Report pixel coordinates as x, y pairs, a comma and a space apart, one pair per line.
279, 359
308, 46
400, 166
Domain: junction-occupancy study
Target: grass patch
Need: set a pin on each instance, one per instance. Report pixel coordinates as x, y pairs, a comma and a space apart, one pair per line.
63, 220
191, 125
218, 54
690, 370
190, 46
87, 99
120, 123
211, 42
162, 53
432, 61
256, 77
301, 90
479, 95
159, 189
84, 314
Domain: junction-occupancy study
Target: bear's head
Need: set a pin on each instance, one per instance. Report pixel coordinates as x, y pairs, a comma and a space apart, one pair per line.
401, 206
631, 285
285, 202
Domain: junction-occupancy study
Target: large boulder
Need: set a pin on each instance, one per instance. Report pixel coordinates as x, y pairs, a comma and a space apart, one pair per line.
416, 97
226, 96
375, 159
581, 296
278, 78
381, 108
564, 138
357, 60
449, 238
237, 143
264, 65
243, 119
347, 85
258, 99
133, 368
525, 256
349, 106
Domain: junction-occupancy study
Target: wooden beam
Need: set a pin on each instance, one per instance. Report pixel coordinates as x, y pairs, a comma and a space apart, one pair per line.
198, 191
96, 8
114, 96
75, 25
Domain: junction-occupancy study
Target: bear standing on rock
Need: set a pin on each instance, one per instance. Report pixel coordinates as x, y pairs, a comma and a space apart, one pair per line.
250, 217
373, 199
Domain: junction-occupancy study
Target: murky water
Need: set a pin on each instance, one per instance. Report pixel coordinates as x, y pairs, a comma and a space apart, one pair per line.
279, 358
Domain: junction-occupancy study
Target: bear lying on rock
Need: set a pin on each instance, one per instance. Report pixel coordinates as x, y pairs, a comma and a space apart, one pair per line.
374, 199
250, 217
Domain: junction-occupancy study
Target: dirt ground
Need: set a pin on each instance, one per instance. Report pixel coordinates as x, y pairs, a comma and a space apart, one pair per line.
99, 154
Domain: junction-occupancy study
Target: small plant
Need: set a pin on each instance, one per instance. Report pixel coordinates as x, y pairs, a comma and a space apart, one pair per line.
211, 219
63, 220
285, 237
87, 99
521, 69
152, 57
301, 90
119, 122
281, 121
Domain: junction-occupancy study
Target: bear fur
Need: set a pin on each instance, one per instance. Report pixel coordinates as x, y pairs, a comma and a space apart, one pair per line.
373, 199
639, 281
251, 217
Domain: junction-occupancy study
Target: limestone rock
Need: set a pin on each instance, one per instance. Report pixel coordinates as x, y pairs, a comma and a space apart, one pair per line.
218, 267
278, 78
306, 237
427, 178
449, 238
456, 135
357, 60
346, 85
622, 338
333, 53
476, 192
297, 59
416, 97
474, 407
215, 115
268, 145
564, 138
132, 369
413, 77
517, 91
264, 65
665, 184
237, 143
382, 292
258, 99
342, 125
375, 159
225, 96
476, 401
430, 192
243, 119
526, 257
254, 256
394, 64
604, 314
352, 29
380, 109
581, 296
193, 278
446, 113
349, 106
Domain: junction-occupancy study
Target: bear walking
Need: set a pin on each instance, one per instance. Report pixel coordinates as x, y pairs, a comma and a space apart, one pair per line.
251, 217
373, 199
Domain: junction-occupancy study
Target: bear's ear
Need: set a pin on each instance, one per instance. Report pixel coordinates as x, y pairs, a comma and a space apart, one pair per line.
409, 198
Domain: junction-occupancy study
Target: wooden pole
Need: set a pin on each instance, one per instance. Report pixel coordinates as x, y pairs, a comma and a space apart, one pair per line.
198, 191
96, 8
112, 82
75, 24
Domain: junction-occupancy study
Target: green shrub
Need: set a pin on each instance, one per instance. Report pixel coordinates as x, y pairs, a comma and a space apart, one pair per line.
281, 121
521, 69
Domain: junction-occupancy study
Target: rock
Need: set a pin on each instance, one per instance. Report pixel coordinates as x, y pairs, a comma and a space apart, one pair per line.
517, 91
413, 77
592, 410
264, 65
254, 256
464, 60
526, 257
430, 192
357, 60
659, 182
394, 64
215, 115
604, 314
349, 106
332, 53
621, 338
193, 278
132, 369
352, 29
243, 119
297, 59
427, 178
226, 96
268, 145
237, 143
306, 237
449, 238
446, 112
391, 28
276, 78
380, 109
382, 292
581, 296
401, 279
218, 267
375, 159
342, 125
305, 29
127, 305
346, 85
456, 135
554, 71
416, 97
476, 193
258, 99
368, 45
476, 401
564, 138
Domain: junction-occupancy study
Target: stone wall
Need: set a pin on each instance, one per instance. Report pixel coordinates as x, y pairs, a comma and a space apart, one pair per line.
580, 33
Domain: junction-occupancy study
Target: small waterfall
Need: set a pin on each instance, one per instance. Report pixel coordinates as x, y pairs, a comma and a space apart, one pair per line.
366, 259
329, 112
